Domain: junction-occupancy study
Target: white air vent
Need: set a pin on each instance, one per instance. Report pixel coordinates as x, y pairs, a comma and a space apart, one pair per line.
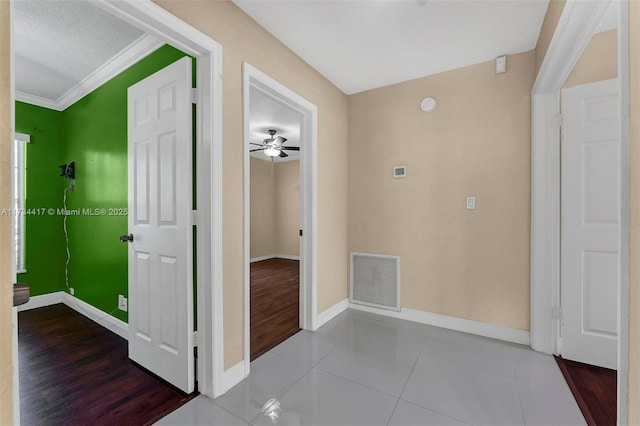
375, 280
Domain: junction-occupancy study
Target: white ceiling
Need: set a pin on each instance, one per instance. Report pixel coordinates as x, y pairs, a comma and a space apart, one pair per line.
58, 44
265, 114
361, 45
66, 49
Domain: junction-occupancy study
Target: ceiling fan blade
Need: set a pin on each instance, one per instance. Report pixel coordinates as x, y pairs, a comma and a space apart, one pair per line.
254, 150
283, 154
256, 144
280, 140
291, 148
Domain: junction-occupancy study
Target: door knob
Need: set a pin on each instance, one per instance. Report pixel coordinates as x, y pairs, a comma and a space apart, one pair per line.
125, 238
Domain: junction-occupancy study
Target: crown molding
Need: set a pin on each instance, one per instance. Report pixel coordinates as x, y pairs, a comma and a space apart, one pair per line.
136, 51
37, 100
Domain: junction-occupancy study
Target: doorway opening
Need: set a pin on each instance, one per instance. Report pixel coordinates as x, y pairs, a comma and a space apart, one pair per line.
574, 32
274, 247
155, 21
299, 120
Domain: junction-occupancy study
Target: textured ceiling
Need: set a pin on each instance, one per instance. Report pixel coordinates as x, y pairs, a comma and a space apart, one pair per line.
60, 43
361, 45
265, 114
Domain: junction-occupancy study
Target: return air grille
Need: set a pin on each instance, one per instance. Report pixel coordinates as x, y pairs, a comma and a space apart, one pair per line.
375, 280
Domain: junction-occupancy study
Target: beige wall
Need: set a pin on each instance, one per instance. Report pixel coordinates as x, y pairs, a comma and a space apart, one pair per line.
275, 208
634, 216
598, 62
457, 262
243, 40
551, 18
263, 209
288, 207
6, 281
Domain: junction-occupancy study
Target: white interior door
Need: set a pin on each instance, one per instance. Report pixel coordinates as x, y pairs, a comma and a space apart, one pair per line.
160, 255
590, 222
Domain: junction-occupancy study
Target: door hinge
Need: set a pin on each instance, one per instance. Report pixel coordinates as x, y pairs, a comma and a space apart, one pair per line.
194, 96
301, 232
560, 119
194, 217
195, 339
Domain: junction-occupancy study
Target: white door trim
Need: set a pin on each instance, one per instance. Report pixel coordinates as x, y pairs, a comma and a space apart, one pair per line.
255, 79
623, 267
155, 20
15, 387
572, 35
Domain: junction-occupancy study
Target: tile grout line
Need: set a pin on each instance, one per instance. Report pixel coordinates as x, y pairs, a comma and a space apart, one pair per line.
355, 383
520, 401
435, 411
282, 394
413, 367
224, 409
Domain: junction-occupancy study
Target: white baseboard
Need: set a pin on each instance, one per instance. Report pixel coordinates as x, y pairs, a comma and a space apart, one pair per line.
493, 331
41, 301
112, 324
233, 376
104, 319
331, 312
274, 256
287, 256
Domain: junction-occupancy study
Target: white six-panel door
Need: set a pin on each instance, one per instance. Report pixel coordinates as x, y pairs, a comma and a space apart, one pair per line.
590, 222
160, 255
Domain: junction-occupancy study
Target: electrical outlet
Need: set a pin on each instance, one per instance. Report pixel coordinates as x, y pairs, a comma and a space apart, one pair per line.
122, 303
72, 291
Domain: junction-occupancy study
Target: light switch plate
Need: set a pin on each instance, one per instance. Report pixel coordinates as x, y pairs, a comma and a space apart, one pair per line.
471, 203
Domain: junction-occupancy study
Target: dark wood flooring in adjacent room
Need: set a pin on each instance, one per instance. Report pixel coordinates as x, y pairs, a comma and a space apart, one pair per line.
594, 388
275, 289
75, 372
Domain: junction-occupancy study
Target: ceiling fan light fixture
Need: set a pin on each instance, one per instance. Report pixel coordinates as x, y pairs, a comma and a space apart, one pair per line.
271, 152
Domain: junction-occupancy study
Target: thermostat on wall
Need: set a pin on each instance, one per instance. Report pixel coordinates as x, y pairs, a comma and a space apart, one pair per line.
400, 171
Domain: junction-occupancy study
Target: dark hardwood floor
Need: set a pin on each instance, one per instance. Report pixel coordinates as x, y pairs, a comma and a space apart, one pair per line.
75, 372
594, 389
275, 289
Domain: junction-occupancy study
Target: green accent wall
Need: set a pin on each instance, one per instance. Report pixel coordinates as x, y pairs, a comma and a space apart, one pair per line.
44, 238
94, 133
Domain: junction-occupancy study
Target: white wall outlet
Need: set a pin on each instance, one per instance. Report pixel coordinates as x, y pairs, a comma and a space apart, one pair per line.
122, 303
72, 291
471, 203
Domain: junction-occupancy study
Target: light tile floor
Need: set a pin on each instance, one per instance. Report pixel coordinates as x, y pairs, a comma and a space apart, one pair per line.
365, 369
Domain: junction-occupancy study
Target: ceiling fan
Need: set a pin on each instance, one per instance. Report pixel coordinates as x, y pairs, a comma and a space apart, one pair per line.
273, 146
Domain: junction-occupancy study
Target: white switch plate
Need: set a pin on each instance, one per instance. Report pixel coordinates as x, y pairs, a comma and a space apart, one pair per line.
471, 203
501, 64
122, 303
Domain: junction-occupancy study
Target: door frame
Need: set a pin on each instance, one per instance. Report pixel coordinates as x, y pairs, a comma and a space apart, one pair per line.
256, 79
158, 22
571, 37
